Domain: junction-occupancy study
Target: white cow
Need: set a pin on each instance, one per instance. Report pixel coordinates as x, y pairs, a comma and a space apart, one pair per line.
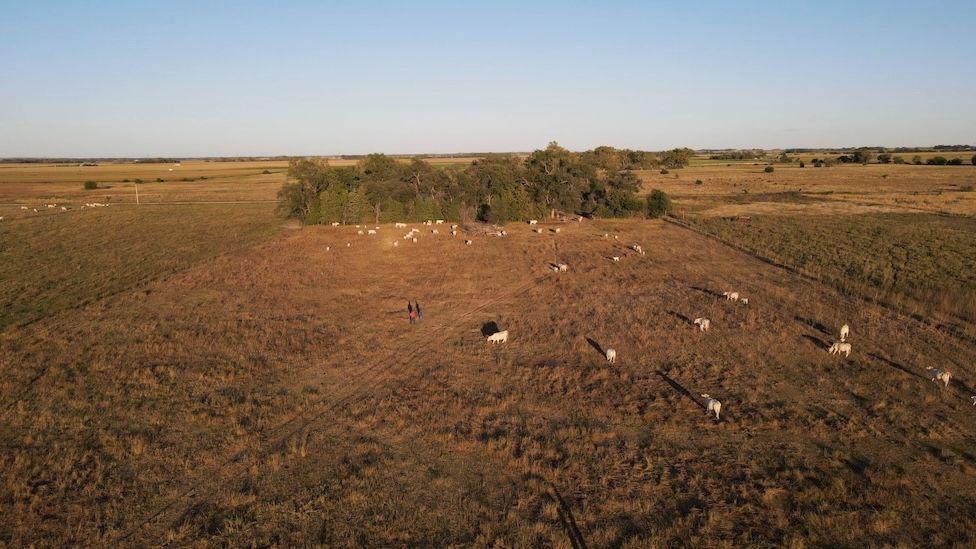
712, 405
744, 301
703, 324
731, 296
556, 230
611, 356
359, 232
371, 231
23, 207
973, 398
616, 259
840, 347
938, 375
348, 244
327, 248
454, 226
335, 223
560, 267
399, 225
467, 242
637, 248
415, 240
439, 221
540, 231
396, 243
453, 233
533, 222
434, 231
64, 208
498, 337
845, 331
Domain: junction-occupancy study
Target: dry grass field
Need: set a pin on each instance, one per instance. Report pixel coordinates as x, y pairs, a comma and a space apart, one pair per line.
199, 375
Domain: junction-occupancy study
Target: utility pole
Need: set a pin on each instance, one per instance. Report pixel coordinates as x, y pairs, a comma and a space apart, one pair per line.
136, 185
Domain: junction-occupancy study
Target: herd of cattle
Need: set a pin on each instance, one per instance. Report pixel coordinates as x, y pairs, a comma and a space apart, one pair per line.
710, 404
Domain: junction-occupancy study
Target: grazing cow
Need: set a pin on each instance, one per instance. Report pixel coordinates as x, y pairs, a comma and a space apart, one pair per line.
64, 208
973, 398
731, 296
712, 405
611, 356
703, 324
23, 207
845, 331
359, 232
840, 347
605, 235
35, 210
1, 218
396, 243
560, 267
327, 248
498, 337
434, 231
540, 231
467, 242
454, 226
371, 231
938, 375
556, 230
335, 223
616, 259
415, 240
533, 222
744, 301
399, 225
637, 248
348, 244
453, 233
439, 221
615, 237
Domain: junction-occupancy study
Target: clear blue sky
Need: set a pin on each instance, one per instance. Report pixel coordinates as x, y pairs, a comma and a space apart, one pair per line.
140, 78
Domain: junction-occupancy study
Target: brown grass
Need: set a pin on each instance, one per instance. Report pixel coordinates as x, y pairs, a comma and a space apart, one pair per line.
277, 395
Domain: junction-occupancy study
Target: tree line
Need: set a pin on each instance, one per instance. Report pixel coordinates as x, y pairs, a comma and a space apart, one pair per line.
496, 188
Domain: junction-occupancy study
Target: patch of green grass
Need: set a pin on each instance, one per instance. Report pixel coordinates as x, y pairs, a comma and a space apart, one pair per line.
52, 263
929, 259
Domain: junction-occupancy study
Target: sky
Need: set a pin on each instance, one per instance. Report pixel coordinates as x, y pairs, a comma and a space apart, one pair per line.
140, 78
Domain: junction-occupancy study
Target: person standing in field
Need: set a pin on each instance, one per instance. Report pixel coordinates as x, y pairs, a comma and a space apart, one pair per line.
411, 313
420, 312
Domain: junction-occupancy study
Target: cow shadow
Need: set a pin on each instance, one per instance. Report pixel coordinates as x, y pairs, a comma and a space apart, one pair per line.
712, 293
681, 389
821, 344
681, 317
813, 324
489, 328
897, 366
599, 348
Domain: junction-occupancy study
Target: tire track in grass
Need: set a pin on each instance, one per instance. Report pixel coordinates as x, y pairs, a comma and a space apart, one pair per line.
362, 383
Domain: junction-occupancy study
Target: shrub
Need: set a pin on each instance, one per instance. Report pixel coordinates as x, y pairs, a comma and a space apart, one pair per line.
768, 169
89, 185
884, 158
266, 172
698, 182
664, 172
803, 164
966, 188
973, 160
937, 161
955, 162
898, 160
137, 180
159, 180
125, 180
658, 203
917, 160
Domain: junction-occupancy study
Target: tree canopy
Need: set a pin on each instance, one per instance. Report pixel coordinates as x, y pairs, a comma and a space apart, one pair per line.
496, 188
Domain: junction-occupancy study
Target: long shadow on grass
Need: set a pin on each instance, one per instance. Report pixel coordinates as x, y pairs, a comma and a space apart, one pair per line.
823, 345
597, 346
680, 388
712, 293
681, 317
813, 324
897, 366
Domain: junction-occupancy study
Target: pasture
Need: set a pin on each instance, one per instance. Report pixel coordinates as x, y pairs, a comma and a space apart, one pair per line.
201, 374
